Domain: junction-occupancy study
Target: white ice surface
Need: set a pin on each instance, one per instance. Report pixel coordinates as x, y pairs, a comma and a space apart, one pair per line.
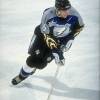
77, 80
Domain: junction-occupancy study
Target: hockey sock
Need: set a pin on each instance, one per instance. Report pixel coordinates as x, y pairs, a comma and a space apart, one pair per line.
26, 71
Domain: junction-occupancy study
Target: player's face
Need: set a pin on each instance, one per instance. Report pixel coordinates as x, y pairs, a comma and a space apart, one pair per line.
63, 13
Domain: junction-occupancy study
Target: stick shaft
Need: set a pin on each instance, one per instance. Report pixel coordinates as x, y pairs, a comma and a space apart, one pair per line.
52, 85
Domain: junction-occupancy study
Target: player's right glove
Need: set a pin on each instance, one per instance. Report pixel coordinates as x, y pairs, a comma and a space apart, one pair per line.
51, 43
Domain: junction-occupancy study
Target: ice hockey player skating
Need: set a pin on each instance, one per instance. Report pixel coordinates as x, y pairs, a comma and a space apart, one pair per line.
59, 27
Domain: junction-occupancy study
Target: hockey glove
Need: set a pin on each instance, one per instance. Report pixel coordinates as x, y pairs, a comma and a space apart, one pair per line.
51, 43
59, 58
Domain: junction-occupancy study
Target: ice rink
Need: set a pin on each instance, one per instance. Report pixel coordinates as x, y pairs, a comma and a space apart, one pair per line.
78, 80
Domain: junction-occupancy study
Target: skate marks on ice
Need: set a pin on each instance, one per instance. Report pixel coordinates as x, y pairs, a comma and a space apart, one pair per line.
61, 89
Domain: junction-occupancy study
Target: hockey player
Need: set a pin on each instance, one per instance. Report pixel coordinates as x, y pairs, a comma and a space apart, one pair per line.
59, 27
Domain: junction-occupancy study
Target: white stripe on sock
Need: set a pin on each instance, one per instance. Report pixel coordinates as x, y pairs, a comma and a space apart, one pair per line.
27, 69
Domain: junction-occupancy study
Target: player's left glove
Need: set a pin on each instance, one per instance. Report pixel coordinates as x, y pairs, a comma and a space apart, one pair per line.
59, 58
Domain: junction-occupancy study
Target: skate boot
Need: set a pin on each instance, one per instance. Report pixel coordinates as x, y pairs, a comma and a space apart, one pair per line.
18, 79
22, 76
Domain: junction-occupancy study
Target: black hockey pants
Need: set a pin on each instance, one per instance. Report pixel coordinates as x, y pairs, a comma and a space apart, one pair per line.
40, 54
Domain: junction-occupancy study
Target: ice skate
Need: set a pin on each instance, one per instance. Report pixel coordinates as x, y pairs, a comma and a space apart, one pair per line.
18, 79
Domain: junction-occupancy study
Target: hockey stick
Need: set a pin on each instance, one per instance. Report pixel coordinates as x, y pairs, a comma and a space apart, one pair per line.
52, 85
